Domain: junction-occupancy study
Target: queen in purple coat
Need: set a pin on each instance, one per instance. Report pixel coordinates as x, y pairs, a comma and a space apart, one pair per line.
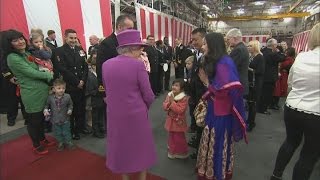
130, 144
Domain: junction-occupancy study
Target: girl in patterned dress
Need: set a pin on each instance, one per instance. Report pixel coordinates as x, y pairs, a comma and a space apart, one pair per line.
175, 105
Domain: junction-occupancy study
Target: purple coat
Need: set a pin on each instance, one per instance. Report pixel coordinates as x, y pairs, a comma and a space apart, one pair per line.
130, 144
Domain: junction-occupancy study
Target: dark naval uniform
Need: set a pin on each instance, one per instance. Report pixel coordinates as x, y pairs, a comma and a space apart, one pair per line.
153, 57
181, 54
10, 96
70, 64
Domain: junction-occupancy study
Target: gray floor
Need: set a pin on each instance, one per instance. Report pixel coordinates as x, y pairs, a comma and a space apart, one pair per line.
253, 161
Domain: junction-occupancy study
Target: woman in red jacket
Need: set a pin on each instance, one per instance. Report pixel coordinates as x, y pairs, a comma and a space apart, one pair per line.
281, 87
284, 71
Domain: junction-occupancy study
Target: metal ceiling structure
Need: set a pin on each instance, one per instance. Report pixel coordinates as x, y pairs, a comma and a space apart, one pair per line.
253, 10
199, 12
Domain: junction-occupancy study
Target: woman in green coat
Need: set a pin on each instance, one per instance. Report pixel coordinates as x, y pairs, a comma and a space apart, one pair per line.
33, 86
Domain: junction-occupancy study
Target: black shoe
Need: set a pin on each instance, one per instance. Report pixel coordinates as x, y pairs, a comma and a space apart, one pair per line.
265, 112
98, 135
251, 126
194, 155
86, 131
11, 123
273, 177
275, 107
75, 136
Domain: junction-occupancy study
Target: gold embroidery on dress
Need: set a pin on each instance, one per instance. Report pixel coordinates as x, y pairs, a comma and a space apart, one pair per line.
210, 170
224, 155
202, 153
230, 169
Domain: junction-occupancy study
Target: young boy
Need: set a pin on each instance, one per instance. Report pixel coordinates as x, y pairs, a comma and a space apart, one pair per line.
60, 105
189, 65
95, 96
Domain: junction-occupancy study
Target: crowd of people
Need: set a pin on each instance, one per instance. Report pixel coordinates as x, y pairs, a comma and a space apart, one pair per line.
115, 82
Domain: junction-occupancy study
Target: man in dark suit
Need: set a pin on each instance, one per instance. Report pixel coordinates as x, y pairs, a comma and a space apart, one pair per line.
51, 40
181, 54
272, 56
94, 42
70, 63
153, 56
240, 56
168, 54
196, 87
108, 47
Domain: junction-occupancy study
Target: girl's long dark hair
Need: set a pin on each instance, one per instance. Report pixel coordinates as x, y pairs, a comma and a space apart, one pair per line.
216, 50
5, 41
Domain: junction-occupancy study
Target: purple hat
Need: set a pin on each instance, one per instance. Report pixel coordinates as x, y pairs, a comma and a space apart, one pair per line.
129, 37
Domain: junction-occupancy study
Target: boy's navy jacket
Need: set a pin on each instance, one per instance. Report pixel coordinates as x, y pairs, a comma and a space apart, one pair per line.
92, 89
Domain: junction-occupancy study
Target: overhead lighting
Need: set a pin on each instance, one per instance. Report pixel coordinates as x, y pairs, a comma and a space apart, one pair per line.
229, 7
287, 20
259, 3
205, 7
273, 11
240, 11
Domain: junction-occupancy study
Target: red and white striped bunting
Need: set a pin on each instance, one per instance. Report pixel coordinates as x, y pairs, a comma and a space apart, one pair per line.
300, 41
84, 16
261, 38
153, 22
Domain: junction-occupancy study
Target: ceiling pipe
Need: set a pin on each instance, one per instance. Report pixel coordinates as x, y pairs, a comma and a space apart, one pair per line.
295, 5
262, 17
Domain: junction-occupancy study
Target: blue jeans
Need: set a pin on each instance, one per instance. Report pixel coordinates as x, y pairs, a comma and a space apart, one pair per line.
62, 132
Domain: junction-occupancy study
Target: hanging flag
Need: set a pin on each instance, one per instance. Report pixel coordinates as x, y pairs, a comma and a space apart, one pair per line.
158, 24
85, 17
300, 41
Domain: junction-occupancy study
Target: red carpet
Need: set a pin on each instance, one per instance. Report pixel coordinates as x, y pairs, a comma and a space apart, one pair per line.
19, 163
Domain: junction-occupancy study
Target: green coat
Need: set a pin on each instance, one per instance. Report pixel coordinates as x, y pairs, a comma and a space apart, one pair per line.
33, 83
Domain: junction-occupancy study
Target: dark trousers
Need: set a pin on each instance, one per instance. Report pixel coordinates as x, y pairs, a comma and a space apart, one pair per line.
251, 103
154, 78
167, 78
275, 101
77, 119
12, 101
258, 91
179, 72
266, 98
35, 127
98, 119
193, 124
160, 79
299, 125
